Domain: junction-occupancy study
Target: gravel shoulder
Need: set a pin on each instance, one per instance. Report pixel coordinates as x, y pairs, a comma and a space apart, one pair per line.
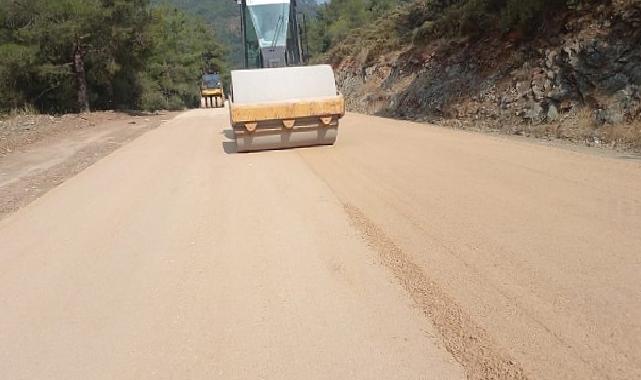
39, 152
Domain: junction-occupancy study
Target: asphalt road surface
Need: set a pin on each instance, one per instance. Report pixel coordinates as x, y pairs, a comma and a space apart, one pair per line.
405, 251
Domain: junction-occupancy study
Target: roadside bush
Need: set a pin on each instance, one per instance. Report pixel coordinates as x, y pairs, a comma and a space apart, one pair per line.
175, 103
153, 101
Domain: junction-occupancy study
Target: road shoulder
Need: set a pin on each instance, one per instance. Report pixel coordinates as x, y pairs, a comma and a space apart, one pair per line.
43, 152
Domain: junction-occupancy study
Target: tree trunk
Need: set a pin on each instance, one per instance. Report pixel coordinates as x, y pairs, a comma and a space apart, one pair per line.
81, 79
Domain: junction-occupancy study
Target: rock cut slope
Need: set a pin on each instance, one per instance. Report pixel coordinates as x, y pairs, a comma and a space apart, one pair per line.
577, 76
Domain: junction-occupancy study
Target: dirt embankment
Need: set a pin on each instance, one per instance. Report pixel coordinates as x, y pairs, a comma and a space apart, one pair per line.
578, 79
39, 152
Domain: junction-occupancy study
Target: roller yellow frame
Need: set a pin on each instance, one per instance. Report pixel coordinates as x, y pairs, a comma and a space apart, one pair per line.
211, 92
325, 109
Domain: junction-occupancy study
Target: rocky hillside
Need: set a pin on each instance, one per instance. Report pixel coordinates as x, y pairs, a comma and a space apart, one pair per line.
577, 76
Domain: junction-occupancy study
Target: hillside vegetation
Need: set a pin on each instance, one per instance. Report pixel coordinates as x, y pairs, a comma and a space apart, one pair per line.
224, 18
341, 23
79, 55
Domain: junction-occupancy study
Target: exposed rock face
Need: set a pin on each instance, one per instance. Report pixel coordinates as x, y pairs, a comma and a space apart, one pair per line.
587, 61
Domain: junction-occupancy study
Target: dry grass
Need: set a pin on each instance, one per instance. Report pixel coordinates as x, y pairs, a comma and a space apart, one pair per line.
626, 135
582, 127
579, 127
26, 110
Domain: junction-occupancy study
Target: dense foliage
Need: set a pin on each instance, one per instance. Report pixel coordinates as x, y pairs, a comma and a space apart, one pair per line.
224, 18
339, 18
77, 55
183, 47
389, 22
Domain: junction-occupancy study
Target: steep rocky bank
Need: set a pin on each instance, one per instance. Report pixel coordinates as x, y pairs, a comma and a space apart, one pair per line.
577, 78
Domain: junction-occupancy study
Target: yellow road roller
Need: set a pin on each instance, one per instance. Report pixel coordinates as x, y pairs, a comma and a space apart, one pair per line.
211, 91
278, 101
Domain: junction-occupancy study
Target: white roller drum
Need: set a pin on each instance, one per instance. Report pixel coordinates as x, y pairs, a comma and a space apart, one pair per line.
282, 84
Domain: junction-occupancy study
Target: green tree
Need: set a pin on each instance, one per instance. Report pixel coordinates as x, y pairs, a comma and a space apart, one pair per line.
184, 48
337, 19
75, 55
224, 18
